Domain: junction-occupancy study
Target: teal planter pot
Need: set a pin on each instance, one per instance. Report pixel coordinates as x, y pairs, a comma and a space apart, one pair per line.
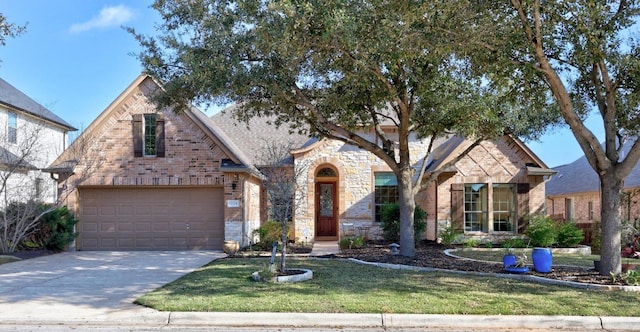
542, 259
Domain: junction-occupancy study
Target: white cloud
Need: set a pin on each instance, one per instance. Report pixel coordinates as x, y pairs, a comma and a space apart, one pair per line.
108, 17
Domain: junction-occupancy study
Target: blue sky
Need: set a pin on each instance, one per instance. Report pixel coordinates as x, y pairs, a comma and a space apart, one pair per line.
75, 59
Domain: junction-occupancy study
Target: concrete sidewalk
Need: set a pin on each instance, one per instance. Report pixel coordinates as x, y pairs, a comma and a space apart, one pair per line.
98, 289
137, 316
323, 248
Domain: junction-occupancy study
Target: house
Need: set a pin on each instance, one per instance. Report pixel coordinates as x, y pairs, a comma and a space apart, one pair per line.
157, 179
31, 137
485, 194
574, 193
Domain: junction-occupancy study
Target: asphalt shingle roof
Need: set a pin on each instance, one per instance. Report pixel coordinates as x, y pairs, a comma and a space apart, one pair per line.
251, 138
12, 97
578, 177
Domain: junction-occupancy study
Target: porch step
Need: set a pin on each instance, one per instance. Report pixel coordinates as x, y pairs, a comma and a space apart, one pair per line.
322, 248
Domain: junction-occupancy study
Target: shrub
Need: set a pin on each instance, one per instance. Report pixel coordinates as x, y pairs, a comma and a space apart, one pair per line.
352, 242
569, 235
514, 243
269, 232
541, 231
449, 236
390, 215
55, 230
471, 243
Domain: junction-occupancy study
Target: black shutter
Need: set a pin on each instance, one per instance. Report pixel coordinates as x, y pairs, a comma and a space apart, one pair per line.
160, 135
457, 206
137, 135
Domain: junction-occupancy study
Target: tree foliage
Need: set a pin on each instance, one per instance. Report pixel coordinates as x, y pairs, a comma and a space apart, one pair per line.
578, 57
334, 68
8, 29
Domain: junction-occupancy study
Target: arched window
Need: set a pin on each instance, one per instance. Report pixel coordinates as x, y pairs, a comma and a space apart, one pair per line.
326, 172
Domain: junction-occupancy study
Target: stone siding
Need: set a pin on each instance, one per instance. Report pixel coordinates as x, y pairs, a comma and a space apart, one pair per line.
355, 168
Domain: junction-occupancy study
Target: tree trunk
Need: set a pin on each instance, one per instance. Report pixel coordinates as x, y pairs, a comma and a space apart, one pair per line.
283, 254
611, 188
407, 206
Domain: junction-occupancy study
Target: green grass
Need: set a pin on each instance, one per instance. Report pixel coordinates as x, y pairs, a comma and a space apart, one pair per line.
346, 287
8, 259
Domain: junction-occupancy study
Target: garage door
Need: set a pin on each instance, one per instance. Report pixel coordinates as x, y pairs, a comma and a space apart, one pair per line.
151, 219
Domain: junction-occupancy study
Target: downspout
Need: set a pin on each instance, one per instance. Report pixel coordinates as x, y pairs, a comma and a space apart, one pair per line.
545, 179
243, 214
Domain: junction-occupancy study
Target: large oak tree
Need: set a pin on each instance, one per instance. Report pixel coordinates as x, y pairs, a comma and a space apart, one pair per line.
578, 57
334, 68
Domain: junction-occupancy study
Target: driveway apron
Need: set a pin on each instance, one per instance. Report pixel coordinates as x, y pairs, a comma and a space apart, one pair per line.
85, 284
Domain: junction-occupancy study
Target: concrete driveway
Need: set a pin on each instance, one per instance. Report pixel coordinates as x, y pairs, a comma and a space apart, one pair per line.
89, 284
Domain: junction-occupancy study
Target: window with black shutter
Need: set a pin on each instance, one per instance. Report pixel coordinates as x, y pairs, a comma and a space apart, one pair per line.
148, 135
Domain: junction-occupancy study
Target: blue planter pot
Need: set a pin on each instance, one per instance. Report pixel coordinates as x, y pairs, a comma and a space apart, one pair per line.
542, 259
508, 260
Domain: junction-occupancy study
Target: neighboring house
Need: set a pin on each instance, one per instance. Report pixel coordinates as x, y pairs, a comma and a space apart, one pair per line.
574, 193
31, 137
164, 180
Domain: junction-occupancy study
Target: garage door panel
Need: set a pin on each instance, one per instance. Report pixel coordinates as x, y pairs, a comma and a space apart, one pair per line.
151, 219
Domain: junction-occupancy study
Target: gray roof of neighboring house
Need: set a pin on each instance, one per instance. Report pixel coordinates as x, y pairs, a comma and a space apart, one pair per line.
251, 138
9, 159
578, 177
12, 97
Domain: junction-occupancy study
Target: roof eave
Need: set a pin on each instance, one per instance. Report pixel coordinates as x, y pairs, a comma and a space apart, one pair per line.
532, 170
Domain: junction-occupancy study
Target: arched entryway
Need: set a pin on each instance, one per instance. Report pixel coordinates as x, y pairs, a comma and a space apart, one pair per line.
327, 202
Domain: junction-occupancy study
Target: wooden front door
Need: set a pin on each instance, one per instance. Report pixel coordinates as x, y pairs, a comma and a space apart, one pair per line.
326, 209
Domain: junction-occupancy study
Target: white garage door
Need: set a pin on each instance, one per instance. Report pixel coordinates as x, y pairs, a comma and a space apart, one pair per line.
151, 219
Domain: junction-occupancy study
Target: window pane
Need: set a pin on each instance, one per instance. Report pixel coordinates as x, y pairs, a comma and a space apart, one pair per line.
12, 128
326, 200
475, 207
503, 207
385, 191
326, 172
149, 134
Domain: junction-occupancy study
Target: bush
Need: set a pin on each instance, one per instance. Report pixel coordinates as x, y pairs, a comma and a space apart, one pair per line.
471, 243
60, 223
390, 215
514, 243
569, 235
449, 236
541, 231
55, 230
269, 232
352, 242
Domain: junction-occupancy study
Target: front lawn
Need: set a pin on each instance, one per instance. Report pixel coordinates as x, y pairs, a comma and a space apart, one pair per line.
344, 287
8, 259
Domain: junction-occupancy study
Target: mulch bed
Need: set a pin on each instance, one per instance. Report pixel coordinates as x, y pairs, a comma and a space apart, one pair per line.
432, 255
